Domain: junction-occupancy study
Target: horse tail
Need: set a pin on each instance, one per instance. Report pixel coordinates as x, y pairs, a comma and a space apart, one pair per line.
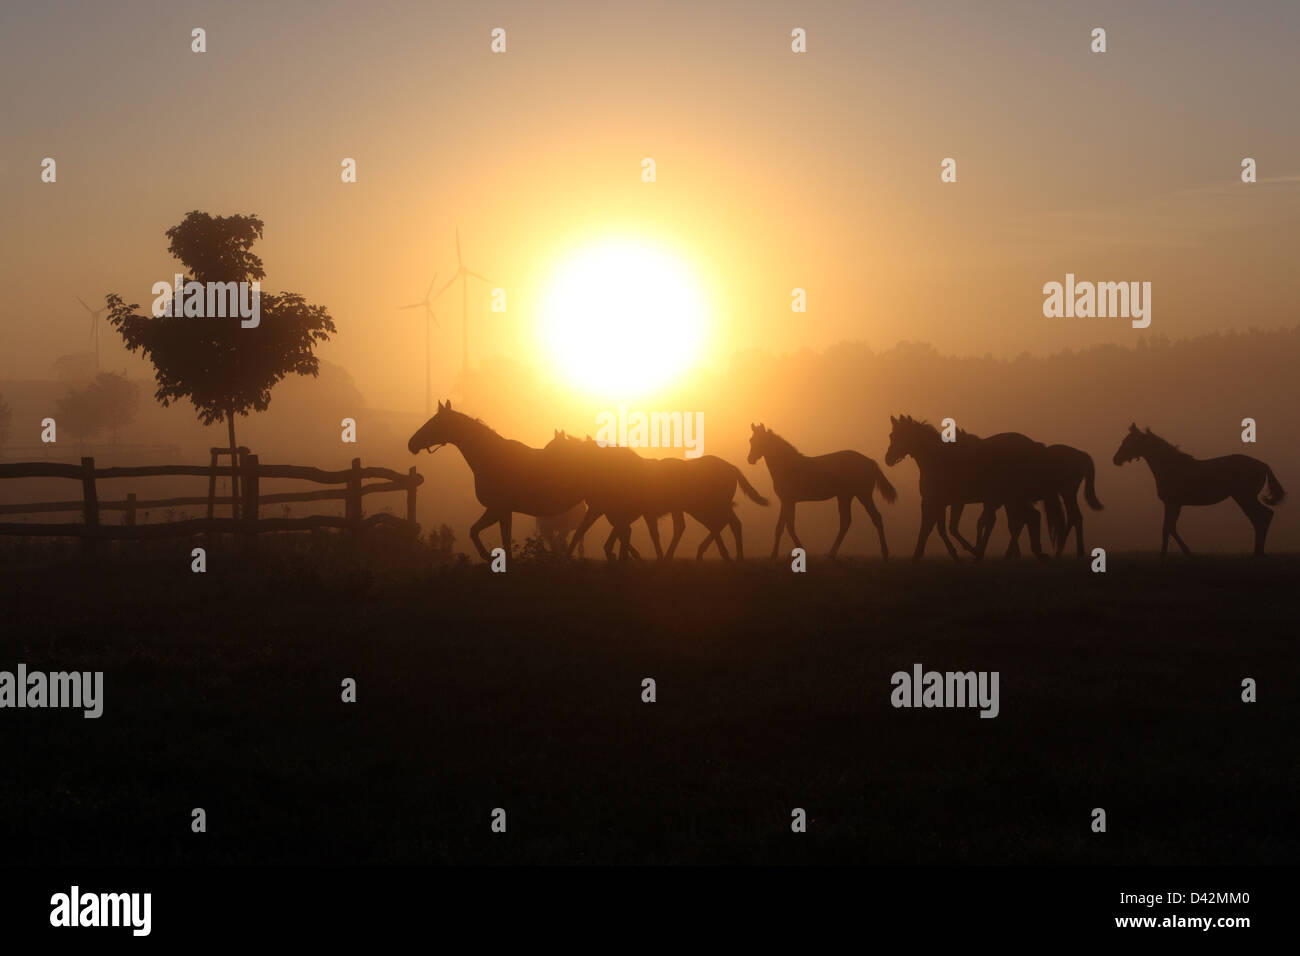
887, 491
750, 491
1089, 491
1276, 493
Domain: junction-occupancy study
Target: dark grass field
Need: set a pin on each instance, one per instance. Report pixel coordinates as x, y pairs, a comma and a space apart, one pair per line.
523, 691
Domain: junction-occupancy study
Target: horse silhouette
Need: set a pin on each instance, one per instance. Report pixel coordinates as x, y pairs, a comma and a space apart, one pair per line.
796, 477
1004, 470
1071, 468
1017, 518
1184, 480
1039, 473
509, 476
623, 486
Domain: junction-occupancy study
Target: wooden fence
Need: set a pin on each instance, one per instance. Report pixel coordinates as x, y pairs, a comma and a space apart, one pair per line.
245, 504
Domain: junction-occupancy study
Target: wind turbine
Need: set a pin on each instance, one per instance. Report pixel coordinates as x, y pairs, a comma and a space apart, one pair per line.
463, 275
427, 304
94, 328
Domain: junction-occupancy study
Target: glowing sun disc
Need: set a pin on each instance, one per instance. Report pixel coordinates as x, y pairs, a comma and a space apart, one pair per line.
622, 317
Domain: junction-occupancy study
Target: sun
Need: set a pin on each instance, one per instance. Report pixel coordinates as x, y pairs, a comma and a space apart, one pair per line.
622, 317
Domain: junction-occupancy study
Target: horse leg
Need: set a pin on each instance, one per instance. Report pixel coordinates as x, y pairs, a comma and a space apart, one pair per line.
1260, 515
489, 517
1015, 524
988, 520
734, 522
1035, 522
790, 526
846, 518
652, 525
506, 520
927, 524
876, 520
715, 536
954, 525
781, 520
679, 525
626, 548
1171, 520
943, 535
587, 521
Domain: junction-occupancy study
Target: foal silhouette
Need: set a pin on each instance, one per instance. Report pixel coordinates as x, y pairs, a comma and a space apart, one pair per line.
841, 474
509, 476
1184, 480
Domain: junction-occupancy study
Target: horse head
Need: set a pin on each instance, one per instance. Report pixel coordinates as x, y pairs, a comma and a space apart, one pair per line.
905, 438
1132, 447
437, 431
758, 442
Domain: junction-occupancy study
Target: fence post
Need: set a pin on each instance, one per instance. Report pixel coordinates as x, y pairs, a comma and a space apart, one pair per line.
130, 510
212, 485
234, 483
354, 496
250, 489
414, 480
90, 505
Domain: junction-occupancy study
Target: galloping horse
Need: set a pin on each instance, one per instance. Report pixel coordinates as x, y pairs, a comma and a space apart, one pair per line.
841, 474
999, 471
509, 476
1184, 480
623, 486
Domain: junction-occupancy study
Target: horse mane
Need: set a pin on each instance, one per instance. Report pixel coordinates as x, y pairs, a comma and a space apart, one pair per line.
783, 442
475, 421
1167, 444
908, 419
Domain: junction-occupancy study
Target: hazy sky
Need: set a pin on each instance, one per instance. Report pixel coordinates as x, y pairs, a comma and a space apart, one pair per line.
775, 170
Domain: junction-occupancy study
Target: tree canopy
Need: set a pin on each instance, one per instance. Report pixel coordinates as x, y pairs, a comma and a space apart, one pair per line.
223, 368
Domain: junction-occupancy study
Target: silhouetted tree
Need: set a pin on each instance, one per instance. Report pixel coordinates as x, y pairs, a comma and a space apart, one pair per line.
118, 399
80, 413
223, 368
76, 369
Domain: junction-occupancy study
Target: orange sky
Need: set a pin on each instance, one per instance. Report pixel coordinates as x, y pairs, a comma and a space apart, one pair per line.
774, 170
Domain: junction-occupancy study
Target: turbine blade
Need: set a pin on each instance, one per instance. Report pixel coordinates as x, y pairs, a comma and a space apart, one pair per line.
414, 305
449, 284
458, 259
84, 306
431, 282
477, 276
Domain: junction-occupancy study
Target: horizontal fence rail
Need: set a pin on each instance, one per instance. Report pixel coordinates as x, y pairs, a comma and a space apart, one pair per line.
245, 501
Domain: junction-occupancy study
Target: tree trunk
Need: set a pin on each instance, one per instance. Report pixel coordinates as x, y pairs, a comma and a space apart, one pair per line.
234, 465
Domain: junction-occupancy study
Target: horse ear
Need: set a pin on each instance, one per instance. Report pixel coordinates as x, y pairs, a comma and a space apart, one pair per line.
1132, 426
449, 404
753, 427
893, 420
439, 404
